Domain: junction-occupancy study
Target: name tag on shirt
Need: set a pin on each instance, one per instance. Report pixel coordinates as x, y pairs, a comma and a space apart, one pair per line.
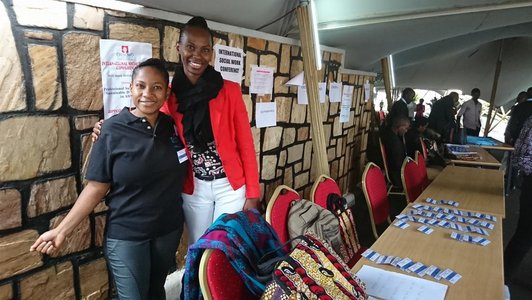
182, 155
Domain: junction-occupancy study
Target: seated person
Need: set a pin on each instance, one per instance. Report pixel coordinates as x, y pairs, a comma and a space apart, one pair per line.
392, 137
412, 137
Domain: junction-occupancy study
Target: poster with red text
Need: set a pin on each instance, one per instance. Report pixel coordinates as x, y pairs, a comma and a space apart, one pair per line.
118, 59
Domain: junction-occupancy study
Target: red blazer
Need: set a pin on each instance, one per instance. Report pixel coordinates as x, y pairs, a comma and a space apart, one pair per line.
232, 135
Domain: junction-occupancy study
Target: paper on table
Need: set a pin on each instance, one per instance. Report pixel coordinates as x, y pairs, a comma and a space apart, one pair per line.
395, 286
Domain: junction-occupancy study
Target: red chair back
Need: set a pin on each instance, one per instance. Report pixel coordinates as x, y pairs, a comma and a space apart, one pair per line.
218, 278
422, 168
412, 180
374, 187
278, 208
321, 189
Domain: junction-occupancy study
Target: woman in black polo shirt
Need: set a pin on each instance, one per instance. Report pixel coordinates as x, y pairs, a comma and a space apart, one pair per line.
138, 159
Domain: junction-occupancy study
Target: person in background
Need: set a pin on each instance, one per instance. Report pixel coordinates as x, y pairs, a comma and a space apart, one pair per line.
521, 241
381, 115
414, 135
392, 137
135, 162
441, 118
471, 110
400, 107
520, 114
420, 109
521, 97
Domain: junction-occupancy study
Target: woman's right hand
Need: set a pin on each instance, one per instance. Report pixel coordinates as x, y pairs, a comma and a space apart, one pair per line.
96, 131
49, 242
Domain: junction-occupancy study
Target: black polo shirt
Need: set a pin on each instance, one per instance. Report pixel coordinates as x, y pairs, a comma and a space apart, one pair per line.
142, 166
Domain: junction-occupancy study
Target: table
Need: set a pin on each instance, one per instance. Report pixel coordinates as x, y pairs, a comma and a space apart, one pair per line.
486, 159
475, 189
488, 143
481, 267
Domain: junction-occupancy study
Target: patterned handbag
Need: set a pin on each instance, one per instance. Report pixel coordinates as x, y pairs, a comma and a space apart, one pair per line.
313, 271
337, 205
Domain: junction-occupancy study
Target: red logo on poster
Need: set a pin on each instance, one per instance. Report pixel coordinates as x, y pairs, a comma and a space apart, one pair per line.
125, 49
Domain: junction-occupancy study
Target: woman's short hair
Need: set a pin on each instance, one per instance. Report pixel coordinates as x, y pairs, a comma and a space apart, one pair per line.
155, 63
196, 22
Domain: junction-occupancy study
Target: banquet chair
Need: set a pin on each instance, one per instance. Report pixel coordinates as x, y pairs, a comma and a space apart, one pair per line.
374, 188
411, 179
321, 189
278, 208
219, 280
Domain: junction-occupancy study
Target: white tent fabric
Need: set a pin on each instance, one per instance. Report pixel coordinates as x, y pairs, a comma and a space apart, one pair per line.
437, 44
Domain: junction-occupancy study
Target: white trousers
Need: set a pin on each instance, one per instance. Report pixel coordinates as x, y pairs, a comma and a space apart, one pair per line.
209, 201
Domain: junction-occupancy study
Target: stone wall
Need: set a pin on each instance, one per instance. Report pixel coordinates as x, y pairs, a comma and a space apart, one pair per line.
50, 96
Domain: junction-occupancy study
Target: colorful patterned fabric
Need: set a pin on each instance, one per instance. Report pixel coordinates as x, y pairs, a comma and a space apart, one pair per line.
244, 237
522, 156
314, 271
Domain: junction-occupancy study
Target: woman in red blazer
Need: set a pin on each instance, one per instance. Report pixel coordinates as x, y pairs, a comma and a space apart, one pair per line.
212, 120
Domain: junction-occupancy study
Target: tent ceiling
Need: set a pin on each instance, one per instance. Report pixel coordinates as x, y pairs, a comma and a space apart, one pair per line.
437, 44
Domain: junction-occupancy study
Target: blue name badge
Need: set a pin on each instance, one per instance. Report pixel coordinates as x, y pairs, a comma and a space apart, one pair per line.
182, 155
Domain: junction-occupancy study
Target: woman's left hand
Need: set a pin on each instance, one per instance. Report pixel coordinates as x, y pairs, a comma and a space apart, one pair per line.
252, 203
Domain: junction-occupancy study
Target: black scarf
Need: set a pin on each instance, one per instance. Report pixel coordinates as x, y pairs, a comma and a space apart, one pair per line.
193, 103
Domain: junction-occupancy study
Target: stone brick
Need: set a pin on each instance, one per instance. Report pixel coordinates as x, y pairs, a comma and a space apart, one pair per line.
82, 70
289, 136
86, 144
299, 113
236, 40
285, 59
255, 132
46, 81
78, 240
334, 169
87, 17
337, 127
272, 138
32, 146
297, 167
56, 282
296, 67
99, 227
12, 91
301, 180
296, 50
327, 133
282, 159
295, 153
16, 257
38, 13
6, 291
331, 154
85, 122
288, 177
251, 60
256, 43
269, 165
170, 40
279, 84
136, 33
51, 195
307, 160
101, 207
274, 46
302, 134
269, 60
340, 147
93, 280
39, 35
10, 212
284, 106
249, 105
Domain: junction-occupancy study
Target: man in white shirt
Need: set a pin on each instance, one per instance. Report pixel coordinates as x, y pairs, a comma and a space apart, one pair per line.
471, 110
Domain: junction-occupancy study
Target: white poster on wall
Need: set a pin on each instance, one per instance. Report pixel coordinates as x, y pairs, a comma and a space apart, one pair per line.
367, 91
345, 107
118, 59
266, 114
335, 92
261, 80
229, 62
302, 97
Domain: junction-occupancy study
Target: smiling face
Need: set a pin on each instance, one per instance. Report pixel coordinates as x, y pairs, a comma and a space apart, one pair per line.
195, 51
149, 90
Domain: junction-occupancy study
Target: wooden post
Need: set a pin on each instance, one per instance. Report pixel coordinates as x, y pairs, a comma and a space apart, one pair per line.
306, 35
385, 66
494, 90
